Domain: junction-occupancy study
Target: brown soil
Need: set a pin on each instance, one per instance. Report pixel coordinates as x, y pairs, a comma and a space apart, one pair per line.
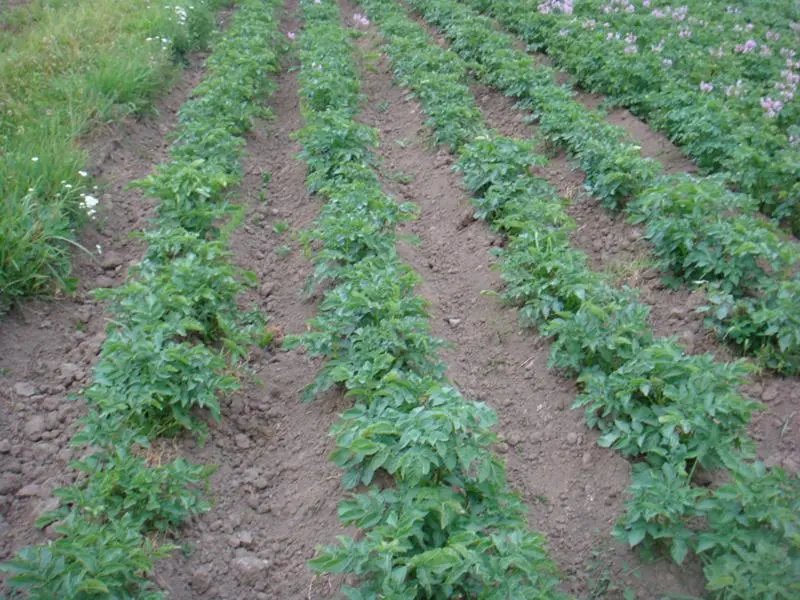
48, 348
619, 249
574, 489
276, 493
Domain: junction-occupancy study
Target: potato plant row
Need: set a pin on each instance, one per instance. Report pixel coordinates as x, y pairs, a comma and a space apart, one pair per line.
746, 129
176, 337
675, 414
436, 516
702, 233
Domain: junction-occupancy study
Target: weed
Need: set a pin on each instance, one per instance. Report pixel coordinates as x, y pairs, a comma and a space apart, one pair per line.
401, 177
76, 65
177, 340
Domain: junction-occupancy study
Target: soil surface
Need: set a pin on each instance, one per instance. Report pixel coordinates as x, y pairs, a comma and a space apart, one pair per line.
275, 491
47, 348
575, 489
619, 249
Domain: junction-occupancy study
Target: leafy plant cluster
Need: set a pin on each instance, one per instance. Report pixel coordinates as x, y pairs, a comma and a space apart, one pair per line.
677, 414
175, 341
703, 72
702, 233
438, 520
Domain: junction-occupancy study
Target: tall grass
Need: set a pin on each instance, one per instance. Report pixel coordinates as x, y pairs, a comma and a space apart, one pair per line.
69, 66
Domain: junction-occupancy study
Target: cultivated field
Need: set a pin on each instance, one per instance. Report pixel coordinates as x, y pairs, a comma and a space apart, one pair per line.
399, 299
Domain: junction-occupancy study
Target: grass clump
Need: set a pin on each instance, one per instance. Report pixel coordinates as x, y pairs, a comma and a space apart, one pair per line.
65, 67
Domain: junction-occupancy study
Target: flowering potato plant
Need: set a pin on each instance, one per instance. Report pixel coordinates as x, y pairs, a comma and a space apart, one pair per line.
720, 79
702, 232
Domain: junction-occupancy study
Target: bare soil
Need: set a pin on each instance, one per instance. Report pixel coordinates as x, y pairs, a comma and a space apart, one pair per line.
275, 491
47, 348
619, 249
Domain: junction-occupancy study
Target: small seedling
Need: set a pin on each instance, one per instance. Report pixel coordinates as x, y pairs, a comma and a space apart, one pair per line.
401, 177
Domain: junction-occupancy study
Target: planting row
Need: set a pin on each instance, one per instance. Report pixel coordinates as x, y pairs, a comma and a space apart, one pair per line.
702, 233
176, 338
720, 83
676, 414
79, 64
437, 518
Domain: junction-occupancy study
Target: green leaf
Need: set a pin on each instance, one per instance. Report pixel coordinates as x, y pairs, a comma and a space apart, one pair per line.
437, 560
607, 440
636, 535
678, 550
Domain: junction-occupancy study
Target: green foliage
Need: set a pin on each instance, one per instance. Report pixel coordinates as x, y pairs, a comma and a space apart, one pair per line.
670, 407
701, 231
660, 508
508, 159
337, 149
676, 413
749, 544
659, 75
90, 559
120, 483
417, 443
174, 345
614, 167
156, 382
370, 324
752, 548
76, 65
602, 334
544, 276
430, 542
768, 324
448, 528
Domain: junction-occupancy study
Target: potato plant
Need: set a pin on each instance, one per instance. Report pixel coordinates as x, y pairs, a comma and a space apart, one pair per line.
719, 78
176, 339
447, 527
674, 413
702, 233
